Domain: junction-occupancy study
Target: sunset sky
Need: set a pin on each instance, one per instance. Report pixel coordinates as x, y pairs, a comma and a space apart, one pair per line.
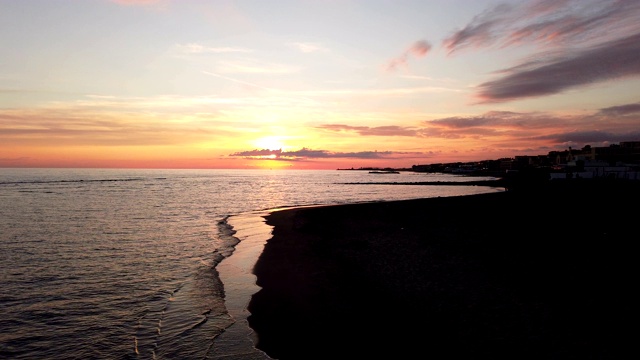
312, 84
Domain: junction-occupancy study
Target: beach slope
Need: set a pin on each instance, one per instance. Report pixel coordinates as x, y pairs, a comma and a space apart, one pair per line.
545, 274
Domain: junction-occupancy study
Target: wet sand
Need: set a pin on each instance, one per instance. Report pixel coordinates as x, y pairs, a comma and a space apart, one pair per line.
545, 274
236, 273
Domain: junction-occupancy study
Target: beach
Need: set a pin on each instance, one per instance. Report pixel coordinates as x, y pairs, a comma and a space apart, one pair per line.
532, 274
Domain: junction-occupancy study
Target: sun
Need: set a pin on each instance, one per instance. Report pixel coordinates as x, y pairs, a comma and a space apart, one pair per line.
269, 142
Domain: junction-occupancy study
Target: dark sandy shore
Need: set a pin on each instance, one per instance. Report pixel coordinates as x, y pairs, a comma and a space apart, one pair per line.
537, 274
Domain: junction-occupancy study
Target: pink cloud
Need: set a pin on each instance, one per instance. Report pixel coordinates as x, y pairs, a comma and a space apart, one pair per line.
390, 130
418, 49
483, 30
609, 125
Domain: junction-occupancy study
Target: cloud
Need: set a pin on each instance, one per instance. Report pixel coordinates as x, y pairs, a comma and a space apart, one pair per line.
492, 132
256, 152
391, 130
546, 22
88, 126
237, 81
254, 67
309, 154
195, 48
384, 92
593, 41
552, 131
416, 77
621, 109
15, 160
500, 120
136, 2
512, 130
482, 30
593, 138
418, 49
306, 47
617, 59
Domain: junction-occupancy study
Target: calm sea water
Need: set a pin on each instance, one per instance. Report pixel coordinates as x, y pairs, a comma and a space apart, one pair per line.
124, 264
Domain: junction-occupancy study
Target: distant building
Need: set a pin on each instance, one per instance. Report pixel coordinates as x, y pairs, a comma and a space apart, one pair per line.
620, 161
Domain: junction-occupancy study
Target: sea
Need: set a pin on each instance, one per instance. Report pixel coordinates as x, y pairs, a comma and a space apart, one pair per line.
154, 264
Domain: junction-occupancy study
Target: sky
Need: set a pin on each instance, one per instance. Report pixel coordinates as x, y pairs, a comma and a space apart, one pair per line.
312, 84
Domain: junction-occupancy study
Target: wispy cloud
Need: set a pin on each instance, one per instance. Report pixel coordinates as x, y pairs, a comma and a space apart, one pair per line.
617, 59
14, 160
417, 49
621, 110
238, 81
395, 91
173, 120
481, 31
555, 131
594, 41
137, 2
195, 48
502, 121
416, 77
88, 125
576, 43
371, 131
593, 138
305, 154
254, 67
546, 22
511, 131
307, 47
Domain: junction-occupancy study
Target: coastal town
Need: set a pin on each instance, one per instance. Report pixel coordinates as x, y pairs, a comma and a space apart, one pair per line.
616, 161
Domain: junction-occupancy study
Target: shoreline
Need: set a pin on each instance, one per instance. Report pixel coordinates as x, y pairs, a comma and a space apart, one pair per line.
236, 273
527, 274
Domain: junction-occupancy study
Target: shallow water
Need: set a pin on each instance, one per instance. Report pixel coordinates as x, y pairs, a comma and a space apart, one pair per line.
117, 264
